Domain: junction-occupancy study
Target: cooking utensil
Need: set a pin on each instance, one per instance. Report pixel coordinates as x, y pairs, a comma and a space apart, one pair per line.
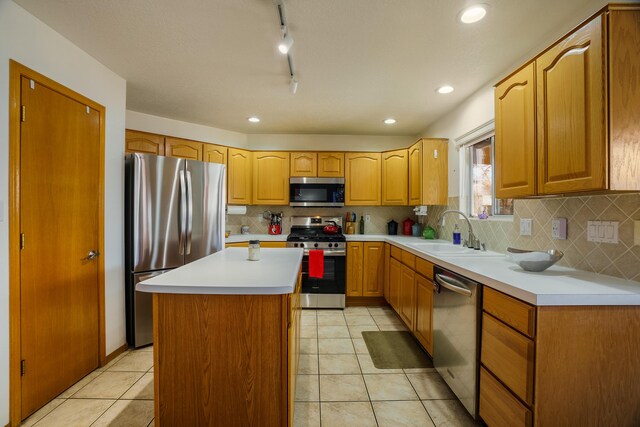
534, 260
332, 228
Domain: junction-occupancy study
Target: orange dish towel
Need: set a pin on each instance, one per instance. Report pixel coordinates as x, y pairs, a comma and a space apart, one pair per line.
316, 264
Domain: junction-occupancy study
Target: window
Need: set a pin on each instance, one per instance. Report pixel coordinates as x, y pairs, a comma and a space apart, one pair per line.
482, 200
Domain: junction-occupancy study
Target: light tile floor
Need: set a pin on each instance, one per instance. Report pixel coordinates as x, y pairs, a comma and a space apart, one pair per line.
338, 384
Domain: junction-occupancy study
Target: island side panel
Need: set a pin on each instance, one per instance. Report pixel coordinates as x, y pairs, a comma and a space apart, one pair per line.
588, 371
219, 360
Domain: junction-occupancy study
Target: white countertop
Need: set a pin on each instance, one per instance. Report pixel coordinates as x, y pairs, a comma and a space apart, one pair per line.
555, 286
236, 238
229, 272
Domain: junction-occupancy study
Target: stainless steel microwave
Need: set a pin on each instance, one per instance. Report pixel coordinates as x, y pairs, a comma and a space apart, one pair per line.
316, 192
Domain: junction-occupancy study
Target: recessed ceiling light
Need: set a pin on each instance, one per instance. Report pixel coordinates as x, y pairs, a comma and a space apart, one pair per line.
389, 121
473, 14
254, 119
444, 89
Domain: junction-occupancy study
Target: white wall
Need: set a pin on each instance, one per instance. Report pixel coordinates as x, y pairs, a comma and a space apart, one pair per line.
30, 42
164, 126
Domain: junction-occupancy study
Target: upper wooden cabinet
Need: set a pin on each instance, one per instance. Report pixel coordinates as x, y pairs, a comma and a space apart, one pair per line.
330, 165
515, 142
239, 177
270, 178
143, 142
395, 178
362, 179
585, 112
304, 164
435, 172
183, 148
415, 174
571, 117
214, 153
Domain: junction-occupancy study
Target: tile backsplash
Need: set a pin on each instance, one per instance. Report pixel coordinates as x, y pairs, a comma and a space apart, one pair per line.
380, 215
619, 260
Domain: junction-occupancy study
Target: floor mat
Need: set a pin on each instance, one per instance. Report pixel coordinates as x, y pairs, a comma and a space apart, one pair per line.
395, 350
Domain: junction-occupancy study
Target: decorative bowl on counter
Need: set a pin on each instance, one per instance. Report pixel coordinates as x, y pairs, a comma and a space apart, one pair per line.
534, 260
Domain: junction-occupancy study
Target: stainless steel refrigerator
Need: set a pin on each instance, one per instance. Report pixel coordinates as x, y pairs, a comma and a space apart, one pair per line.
174, 214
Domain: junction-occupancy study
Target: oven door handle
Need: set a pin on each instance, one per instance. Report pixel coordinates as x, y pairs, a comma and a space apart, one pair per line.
328, 253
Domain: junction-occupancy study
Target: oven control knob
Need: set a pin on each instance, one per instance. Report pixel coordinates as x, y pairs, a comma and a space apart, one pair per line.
315, 245
295, 245
330, 245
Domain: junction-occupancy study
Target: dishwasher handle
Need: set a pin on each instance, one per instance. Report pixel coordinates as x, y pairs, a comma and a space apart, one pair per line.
453, 285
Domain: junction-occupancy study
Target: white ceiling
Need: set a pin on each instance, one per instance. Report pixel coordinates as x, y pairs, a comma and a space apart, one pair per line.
358, 61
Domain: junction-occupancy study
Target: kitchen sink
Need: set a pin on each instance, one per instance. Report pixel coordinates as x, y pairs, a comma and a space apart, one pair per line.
448, 249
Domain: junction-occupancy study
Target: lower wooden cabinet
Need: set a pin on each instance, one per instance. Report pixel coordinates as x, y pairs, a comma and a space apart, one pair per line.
365, 269
395, 276
387, 262
424, 312
293, 334
407, 296
498, 407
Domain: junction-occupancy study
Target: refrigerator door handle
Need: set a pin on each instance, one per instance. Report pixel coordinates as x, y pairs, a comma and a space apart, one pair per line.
182, 212
189, 212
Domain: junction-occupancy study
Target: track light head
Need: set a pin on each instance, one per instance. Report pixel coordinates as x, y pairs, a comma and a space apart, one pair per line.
285, 44
293, 85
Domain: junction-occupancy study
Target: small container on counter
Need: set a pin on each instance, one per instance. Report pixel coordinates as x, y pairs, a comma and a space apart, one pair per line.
254, 250
244, 229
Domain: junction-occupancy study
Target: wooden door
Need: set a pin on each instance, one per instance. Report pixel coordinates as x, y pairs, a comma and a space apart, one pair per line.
387, 261
373, 275
395, 276
59, 202
571, 118
362, 179
330, 165
239, 177
407, 296
424, 312
304, 164
415, 174
183, 148
354, 269
435, 172
214, 153
270, 178
515, 141
395, 178
143, 142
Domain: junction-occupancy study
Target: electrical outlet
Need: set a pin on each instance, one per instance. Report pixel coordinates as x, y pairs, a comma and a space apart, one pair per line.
602, 231
260, 218
526, 225
559, 228
367, 218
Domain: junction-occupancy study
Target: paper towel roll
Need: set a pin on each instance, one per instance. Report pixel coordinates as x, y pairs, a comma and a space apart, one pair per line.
236, 210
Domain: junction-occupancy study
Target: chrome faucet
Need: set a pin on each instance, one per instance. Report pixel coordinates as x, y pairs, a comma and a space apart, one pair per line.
473, 241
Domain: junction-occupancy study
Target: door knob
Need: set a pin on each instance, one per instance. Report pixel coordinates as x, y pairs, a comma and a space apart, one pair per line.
91, 255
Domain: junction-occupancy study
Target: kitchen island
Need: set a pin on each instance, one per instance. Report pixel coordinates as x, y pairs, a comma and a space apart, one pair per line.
226, 339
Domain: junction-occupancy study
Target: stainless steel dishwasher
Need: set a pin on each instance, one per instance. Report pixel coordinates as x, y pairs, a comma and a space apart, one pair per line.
456, 334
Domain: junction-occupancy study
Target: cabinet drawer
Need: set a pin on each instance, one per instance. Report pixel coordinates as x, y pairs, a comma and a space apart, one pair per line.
515, 313
498, 407
425, 268
409, 259
396, 253
509, 356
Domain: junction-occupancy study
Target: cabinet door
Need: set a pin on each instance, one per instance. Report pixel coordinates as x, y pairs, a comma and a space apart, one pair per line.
415, 174
304, 164
395, 178
373, 273
435, 172
424, 312
387, 261
239, 177
270, 178
142, 142
571, 117
395, 276
354, 269
515, 143
407, 296
183, 148
214, 153
362, 179
330, 165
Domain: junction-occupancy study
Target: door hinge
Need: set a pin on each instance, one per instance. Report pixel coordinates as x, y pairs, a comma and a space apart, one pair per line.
23, 114
21, 241
22, 369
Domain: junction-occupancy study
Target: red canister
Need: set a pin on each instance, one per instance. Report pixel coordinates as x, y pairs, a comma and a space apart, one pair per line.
406, 226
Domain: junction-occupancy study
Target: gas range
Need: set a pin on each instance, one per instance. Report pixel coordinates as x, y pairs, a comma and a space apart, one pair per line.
327, 291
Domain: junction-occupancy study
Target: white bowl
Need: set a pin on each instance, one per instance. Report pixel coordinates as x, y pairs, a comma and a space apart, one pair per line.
534, 260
